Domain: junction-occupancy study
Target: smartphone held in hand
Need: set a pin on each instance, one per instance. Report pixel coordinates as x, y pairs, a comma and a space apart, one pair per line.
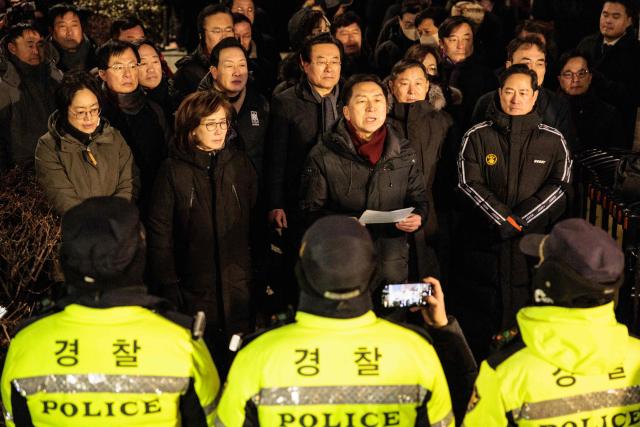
406, 295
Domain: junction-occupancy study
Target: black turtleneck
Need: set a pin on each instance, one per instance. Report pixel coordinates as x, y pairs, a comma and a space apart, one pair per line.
76, 133
160, 93
234, 99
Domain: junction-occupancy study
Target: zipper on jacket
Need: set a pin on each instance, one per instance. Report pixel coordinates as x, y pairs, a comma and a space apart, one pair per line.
91, 158
191, 197
235, 193
388, 167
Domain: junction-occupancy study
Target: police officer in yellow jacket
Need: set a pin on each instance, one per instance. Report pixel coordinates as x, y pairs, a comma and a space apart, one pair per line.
111, 355
338, 364
574, 366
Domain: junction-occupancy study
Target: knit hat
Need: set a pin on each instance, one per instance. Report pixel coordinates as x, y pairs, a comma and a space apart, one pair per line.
337, 259
580, 265
103, 244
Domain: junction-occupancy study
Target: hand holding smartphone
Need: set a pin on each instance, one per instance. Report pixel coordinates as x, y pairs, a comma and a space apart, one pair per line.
403, 295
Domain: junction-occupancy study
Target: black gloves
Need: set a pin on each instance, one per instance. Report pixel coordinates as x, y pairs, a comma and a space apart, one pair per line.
512, 227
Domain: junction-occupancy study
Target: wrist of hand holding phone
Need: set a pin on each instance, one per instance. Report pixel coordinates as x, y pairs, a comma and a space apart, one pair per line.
434, 318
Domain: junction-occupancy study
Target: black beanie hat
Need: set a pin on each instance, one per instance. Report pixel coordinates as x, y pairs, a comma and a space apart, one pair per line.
337, 259
103, 244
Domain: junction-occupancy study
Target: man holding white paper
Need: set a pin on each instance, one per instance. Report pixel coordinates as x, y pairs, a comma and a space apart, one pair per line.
364, 165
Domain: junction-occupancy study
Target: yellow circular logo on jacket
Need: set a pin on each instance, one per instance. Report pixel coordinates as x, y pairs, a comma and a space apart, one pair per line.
491, 159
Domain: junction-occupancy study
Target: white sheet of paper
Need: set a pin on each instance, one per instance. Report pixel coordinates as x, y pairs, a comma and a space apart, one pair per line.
383, 217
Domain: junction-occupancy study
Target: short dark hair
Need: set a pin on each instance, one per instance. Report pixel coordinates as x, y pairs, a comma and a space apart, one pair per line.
113, 48
404, 65
565, 57
212, 9
125, 23
411, 8
323, 38
72, 82
62, 9
225, 43
451, 23
146, 42
519, 69
418, 52
347, 90
533, 26
240, 17
518, 42
344, 20
309, 20
16, 31
630, 7
191, 111
436, 14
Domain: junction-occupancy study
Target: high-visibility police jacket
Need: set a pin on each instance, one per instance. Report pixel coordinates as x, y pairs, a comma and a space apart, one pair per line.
320, 371
108, 367
574, 368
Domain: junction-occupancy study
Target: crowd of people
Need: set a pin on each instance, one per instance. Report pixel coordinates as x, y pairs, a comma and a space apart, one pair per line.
246, 167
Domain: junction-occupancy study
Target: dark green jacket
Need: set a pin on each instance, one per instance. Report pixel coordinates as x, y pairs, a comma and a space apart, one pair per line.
68, 177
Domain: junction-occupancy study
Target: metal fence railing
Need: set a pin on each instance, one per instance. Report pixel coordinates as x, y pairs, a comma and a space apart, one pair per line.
598, 201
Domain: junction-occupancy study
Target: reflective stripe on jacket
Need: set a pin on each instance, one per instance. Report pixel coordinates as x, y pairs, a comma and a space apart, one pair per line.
114, 366
575, 367
319, 371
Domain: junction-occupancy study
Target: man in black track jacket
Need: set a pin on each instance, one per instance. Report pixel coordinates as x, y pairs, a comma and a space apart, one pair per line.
515, 172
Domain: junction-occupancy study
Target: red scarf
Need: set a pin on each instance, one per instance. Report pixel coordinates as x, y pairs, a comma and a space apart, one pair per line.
369, 150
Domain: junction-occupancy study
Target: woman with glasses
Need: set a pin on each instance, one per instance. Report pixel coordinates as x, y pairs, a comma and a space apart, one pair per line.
198, 224
82, 156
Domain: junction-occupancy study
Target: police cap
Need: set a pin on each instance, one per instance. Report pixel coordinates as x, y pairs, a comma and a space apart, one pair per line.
578, 261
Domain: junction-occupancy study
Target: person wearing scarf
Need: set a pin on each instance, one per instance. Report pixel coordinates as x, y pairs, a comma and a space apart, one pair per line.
70, 46
141, 121
362, 164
